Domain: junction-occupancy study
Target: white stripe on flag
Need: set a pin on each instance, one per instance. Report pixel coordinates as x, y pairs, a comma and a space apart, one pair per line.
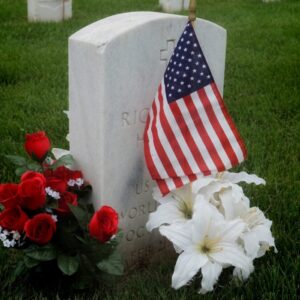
223, 122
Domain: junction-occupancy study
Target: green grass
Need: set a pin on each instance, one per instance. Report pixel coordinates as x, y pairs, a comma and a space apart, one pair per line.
262, 92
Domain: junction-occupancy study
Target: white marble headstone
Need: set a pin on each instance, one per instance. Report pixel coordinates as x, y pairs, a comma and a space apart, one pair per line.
115, 66
174, 5
49, 10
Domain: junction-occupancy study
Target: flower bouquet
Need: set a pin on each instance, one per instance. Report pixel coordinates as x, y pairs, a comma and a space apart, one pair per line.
47, 219
212, 227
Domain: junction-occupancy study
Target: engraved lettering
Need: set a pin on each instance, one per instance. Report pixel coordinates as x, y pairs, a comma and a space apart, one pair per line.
125, 121
134, 117
139, 139
140, 232
130, 235
142, 187
132, 213
143, 115
142, 209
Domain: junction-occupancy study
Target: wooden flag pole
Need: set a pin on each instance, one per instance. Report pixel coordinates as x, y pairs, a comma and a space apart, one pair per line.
192, 11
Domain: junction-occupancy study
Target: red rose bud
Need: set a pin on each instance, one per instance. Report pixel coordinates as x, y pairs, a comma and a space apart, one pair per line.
104, 224
13, 219
56, 185
9, 195
37, 145
40, 229
32, 190
66, 198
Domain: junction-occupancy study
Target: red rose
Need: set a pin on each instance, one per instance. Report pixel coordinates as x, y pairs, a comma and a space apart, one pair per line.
40, 228
9, 195
104, 224
37, 145
66, 198
13, 219
32, 190
56, 185
31, 175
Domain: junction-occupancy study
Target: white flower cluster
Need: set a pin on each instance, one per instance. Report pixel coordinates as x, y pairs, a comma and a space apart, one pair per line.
10, 238
79, 182
212, 226
52, 193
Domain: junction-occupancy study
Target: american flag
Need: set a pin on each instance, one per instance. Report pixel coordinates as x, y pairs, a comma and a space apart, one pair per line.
189, 133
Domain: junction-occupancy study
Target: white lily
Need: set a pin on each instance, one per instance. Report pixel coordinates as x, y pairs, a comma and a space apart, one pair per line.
209, 243
223, 185
176, 207
258, 237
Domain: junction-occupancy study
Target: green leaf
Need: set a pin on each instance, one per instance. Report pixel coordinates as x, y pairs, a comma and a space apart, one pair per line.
68, 264
66, 160
21, 170
79, 213
30, 262
17, 160
44, 253
34, 167
113, 265
81, 239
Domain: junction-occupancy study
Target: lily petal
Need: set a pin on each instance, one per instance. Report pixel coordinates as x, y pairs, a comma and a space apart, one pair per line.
187, 266
231, 254
178, 234
231, 230
167, 213
210, 274
242, 176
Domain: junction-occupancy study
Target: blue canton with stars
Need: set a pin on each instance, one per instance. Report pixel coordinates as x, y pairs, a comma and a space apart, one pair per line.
187, 70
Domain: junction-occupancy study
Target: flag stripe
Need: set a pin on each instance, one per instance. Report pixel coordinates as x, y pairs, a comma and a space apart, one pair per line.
151, 166
189, 138
182, 160
230, 122
156, 159
232, 144
199, 126
160, 150
211, 109
208, 119
177, 132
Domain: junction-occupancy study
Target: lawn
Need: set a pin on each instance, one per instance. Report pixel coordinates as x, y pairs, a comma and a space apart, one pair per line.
262, 92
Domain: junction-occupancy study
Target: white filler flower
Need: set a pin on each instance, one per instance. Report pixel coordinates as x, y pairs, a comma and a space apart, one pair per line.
176, 207
209, 243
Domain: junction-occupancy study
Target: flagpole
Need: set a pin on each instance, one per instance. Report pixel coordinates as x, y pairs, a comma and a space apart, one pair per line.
192, 11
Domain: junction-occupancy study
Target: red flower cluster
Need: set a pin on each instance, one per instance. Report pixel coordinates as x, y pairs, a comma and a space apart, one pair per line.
25, 204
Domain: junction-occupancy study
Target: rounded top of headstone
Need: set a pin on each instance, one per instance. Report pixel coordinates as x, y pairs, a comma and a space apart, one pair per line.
105, 30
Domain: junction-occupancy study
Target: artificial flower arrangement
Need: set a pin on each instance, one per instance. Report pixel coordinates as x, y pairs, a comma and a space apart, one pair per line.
212, 227
48, 220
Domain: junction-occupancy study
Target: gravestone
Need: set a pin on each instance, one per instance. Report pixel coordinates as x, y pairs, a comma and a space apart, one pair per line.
174, 5
49, 10
115, 66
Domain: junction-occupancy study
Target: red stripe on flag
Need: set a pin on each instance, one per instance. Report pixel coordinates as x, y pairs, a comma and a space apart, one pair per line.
188, 138
203, 133
151, 166
217, 127
161, 151
229, 120
173, 141
163, 186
